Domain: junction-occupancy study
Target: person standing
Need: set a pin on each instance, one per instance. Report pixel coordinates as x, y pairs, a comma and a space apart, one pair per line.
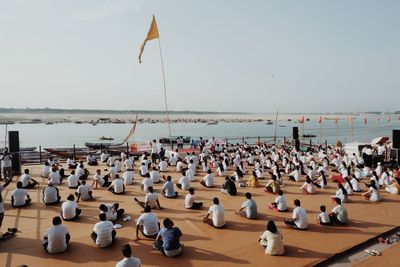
6, 164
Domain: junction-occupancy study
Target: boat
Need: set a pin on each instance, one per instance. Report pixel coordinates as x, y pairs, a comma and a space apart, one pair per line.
102, 145
167, 140
212, 122
49, 123
269, 122
106, 138
309, 135
282, 125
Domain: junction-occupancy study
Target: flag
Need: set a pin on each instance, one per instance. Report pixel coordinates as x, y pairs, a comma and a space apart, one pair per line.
389, 119
153, 34
301, 119
351, 120
320, 119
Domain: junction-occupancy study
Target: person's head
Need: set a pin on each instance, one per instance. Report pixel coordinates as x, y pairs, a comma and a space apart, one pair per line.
297, 203
338, 201
54, 169
248, 195
308, 179
322, 208
127, 251
191, 191
183, 172
19, 185
83, 182
117, 176
215, 200
71, 197
227, 178
51, 184
46, 163
273, 177
169, 178
154, 168
143, 164
168, 223
103, 217
280, 192
147, 175
150, 189
103, 208
98, 171
57, 220
209, 171
26, 171
147, 209
73, 172
271, 226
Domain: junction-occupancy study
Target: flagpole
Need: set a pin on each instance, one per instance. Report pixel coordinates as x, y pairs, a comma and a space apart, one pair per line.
320, 125
276, 122
165, 90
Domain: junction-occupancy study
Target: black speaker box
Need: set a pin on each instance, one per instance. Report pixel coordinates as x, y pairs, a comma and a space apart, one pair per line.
295, 133
396, 139
13, 147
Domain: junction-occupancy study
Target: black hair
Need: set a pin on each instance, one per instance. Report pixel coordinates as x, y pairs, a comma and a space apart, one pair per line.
57, 220
322, 208
248, 195
271, 226
127, 251
215, 200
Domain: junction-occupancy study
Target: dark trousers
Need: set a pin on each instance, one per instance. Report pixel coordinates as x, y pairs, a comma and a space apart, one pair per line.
197, 205
334, 219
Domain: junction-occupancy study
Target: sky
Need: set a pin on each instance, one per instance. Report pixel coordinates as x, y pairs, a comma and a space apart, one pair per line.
219, 55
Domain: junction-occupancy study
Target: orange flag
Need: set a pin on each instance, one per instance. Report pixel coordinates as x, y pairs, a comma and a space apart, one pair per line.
152, 34
389, 119
351, 120
301, 119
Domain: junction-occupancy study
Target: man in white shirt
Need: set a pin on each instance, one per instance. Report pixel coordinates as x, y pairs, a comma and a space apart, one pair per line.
54, 177
248, 208
46, 170
299, 218
147, 224
51, 195
173, 160
295, 175
103, 232
163, 165
208, 180
6, 165
218, 215
155, 175
184, 182
190, 202
91, 160
168, 188
73, 180
117, 186
154, 151
144, 170
146, 183
128, 177
56, 238
128, 260
27, 181
151, 199
84, 192
128, 163
339, 213
69, 209
112, 211
20, 197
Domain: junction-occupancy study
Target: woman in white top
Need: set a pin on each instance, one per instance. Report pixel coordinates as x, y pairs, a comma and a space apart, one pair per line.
355, 183
373, 193
341, 193
321, 181
271, 240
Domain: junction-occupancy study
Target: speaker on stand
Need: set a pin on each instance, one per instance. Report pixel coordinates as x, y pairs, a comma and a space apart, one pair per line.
13, 148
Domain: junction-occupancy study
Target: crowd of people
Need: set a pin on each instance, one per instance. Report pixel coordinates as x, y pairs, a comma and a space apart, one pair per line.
246, 165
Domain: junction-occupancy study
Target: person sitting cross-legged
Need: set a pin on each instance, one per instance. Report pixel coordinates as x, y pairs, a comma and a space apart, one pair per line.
20, 197
51, 195
151, 199
147, 224
168, 239
56, 238
117, 186
69, 209
249, 208
103, 232
190, 203
218, 215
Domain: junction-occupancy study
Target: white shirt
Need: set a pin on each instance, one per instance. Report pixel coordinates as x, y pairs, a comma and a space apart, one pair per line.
150, 223
184, 181
54, 178
73, 180
69, 209
129, 262
209, 180
128, 163
151, 199
300, 216
46, 171
118, 185
169, 189
128, 177
324, 217
84, 191
50, 194
24, 179
111, 214
19, 196
163, 165
144, 169
218, 215
6, 161
296, 175
103, 230
147, 182
155, 176
189, 199
281, 202
99, 179
56, 238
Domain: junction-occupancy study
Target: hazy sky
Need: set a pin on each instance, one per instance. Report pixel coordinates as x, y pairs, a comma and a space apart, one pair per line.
257, 56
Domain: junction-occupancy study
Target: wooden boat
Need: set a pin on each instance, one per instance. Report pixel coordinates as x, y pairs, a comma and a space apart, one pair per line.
212, 123
106, 138
269, 122
102, 145
309, 135
166, 140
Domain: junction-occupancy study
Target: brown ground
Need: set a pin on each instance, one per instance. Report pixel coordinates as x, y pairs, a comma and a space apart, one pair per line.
204, 246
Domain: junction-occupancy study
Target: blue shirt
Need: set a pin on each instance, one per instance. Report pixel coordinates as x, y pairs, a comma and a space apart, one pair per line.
170, 238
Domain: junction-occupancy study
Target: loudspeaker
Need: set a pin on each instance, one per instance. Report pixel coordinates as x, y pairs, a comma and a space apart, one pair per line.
295, 134
396, 139
395, 154
13, 147
296, 144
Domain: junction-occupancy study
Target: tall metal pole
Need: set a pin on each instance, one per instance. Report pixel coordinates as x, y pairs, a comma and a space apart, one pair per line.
276, 125
165, 91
